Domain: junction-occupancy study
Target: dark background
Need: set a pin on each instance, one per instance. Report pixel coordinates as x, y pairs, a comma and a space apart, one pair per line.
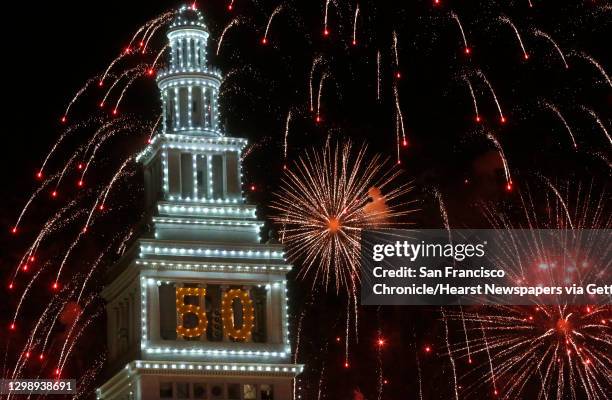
52, 48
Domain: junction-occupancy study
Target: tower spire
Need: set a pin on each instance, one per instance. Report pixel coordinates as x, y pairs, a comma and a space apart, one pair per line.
189, 87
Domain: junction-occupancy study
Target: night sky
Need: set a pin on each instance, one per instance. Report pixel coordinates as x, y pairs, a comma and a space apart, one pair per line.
52, 48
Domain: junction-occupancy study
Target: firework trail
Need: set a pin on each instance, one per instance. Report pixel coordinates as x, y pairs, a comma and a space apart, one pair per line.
29, 254
230, 6
486, 346
325, 30
147, 26
96, 263
19, 365
248, 150
418, 363
278, 9
466, 48
465, 332
324, 202
450, 354
75, 339
112, 64
380, 342
154, 128
54, 193
40, 322
92, 268
30, 345
298, 337
61, 306
102, 200
145, 37
316, 62
88, 379
49, 227
347, 332
499, 109
321, 82
69, 251
507, 21
235, 72
356, 316
399, 126
123, 244
76, 96
288, 121
151, 70
25, 293
322, 374
500, 151
395, 48
233, 23
25, 354
598, 121
556, 111
125, 88
469, 85
443, 212
136, 70
64, 135
42, 187
596, 64
355, 25
266, 141
73, 326
602, 156
554, 189
123, 129
151, 33
100, 131
546, 36
378, 75
55, 284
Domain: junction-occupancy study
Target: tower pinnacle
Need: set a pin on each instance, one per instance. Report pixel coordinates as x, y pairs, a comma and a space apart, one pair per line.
189, 87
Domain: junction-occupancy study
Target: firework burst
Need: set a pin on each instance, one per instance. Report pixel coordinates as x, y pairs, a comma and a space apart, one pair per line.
545, 351
326, 199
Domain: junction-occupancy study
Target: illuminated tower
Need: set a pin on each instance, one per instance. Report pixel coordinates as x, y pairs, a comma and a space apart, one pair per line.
197, 307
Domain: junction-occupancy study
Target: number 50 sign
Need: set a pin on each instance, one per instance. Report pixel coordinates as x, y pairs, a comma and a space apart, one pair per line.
242, 332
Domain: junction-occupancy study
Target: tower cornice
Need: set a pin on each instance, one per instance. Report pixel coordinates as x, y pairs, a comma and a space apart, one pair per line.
191, 143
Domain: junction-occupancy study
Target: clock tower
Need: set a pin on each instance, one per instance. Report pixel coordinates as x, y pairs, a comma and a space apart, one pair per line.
197, 306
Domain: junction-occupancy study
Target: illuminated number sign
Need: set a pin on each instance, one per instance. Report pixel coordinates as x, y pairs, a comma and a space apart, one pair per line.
227, 313
248, 315
183, 309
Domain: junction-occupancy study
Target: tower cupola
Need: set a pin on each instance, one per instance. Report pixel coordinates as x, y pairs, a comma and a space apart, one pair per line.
189, 87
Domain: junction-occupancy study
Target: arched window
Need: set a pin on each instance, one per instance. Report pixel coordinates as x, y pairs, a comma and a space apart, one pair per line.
185, 45
196, 106
183, 105
193, 51
170, 104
